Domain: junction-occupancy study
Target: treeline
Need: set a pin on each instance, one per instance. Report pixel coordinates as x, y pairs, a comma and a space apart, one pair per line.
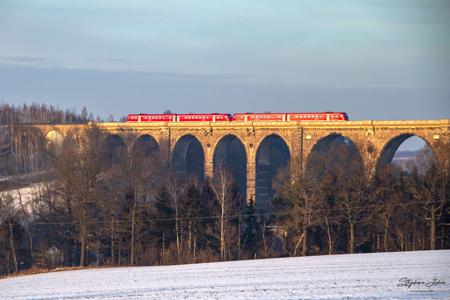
105, 205
41, 113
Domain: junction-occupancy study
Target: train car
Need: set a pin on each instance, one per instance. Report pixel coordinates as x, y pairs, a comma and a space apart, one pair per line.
158, 118
307, 116
317, 116
203, 117
259, 117
151, 118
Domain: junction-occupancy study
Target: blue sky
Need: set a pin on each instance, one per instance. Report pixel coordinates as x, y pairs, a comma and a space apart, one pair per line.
373, 59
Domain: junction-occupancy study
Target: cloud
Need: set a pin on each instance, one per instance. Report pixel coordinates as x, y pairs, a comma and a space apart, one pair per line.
30, 60
110, 60
122, 65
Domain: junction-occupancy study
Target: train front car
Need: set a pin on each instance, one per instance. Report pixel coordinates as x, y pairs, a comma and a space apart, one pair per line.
338, 116
132, 118
317, 116
144, 118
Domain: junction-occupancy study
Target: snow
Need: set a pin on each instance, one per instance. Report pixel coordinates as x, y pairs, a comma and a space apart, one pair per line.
26, 195
367, 276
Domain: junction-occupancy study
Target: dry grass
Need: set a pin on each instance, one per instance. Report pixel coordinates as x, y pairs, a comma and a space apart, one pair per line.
34, 271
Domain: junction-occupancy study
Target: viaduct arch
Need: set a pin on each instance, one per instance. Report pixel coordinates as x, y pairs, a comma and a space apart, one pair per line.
375, 141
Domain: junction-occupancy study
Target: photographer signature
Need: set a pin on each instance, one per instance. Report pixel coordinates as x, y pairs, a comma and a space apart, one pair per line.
408, 282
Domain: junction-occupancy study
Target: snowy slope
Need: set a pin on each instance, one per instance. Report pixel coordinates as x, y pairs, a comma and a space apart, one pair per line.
25, 196
371, 276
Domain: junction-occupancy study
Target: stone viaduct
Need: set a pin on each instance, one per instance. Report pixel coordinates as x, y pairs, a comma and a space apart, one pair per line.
255, 149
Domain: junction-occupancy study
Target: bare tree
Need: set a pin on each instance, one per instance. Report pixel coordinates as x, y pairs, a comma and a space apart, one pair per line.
174, 190
222, 186
79, 167
431, 188
300, 197
7, 214
387, 198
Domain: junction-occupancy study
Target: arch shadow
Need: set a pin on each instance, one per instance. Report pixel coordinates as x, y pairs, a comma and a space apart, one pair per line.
333, 154
188, 158
114, 149
230, 153
145, 147
272, 155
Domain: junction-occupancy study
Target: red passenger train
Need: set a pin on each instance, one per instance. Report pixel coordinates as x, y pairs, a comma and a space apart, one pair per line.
240, 117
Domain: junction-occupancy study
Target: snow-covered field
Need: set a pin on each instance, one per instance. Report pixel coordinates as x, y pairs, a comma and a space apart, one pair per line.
369, 276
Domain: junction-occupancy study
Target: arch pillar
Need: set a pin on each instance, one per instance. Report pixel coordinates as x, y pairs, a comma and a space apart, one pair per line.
251, 169
209, 168
296, 158
441, 148
208, 149
368, 153
251, 179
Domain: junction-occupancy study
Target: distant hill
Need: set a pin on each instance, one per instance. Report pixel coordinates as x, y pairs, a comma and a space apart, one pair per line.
407, 159
406, 154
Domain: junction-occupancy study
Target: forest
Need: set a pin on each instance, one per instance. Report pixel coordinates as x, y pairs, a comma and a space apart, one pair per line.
94, 205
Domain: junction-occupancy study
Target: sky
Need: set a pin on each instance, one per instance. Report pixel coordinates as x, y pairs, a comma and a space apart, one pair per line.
373, 59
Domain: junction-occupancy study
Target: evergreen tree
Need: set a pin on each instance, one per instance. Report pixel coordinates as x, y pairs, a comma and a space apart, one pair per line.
251, 231
164, 216
191, 210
